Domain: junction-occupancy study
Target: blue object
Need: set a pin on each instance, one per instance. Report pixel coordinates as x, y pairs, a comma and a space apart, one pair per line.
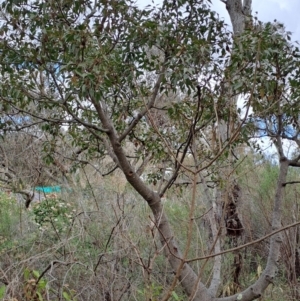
48, 189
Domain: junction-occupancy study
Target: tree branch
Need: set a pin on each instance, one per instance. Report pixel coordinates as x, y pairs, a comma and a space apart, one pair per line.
245, 245
291, 182
147, 108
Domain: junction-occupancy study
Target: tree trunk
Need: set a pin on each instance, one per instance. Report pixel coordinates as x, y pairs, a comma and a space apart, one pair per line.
228, 198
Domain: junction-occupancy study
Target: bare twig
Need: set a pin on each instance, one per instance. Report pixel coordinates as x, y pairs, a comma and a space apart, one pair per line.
244, 245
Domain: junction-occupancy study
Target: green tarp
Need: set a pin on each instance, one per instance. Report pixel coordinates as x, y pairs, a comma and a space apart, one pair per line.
48, 189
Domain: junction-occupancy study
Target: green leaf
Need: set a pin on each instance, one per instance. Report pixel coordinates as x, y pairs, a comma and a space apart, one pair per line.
36, 273
66, 296
2, 291
26, 274
40, 296
175, 296
42, 284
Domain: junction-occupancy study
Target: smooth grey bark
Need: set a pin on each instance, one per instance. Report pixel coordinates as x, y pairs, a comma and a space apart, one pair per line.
212, 216
238, 11
216, 276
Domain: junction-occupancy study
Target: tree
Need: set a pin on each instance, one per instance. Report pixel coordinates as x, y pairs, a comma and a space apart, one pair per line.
160, 83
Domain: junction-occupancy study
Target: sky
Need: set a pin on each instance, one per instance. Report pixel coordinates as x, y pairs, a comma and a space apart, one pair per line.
284, 11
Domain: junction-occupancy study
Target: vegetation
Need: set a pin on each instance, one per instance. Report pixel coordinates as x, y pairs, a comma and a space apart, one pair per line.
166, 192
